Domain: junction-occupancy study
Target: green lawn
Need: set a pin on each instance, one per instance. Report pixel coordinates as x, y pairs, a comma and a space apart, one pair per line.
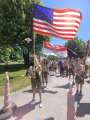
17, 77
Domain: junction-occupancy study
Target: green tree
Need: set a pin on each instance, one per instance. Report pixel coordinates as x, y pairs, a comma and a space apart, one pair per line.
16, 53
5, 54
16, 24
77, 46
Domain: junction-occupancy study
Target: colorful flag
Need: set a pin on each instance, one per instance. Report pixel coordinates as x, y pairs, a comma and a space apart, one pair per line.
62, 23
46, 51
61, 51
47, 45
58, 50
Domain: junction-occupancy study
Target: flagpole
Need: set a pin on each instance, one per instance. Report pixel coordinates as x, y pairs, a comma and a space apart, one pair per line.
33, 36
43, 46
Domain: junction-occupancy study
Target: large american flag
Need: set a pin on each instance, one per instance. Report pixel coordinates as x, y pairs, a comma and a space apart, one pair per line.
62, 23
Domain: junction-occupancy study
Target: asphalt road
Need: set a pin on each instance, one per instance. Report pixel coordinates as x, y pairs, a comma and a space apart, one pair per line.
54, 102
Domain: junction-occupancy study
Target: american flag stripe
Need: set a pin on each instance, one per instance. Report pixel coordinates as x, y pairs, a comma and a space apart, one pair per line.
66, 16
60, 20
58, 30
40, 22
73, 14
67, 10
47, 33
53, 30
62, 35
43, 24
67, 19
65, 24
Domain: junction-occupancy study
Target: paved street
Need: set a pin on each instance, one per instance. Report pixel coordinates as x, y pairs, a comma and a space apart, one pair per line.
54, 102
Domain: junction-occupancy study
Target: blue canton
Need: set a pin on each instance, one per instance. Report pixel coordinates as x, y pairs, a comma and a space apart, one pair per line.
43, 13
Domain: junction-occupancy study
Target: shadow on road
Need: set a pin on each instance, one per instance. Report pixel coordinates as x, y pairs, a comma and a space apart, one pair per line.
23, 110
83, 109
29, 91
43, 91
50, 118
66, 86
88, 81
78, 98
50, 91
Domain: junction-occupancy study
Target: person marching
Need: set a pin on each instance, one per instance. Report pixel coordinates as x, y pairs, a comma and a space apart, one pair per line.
80, 75
55, 67
45, 72
61, 67
71, 70
66, 67
34, 75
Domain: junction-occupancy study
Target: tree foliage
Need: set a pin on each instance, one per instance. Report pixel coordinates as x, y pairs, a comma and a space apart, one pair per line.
15, 21
77, 46
16, 24
5, 54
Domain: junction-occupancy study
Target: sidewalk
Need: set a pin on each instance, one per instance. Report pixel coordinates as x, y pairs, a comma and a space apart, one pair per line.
54, 102
83, 110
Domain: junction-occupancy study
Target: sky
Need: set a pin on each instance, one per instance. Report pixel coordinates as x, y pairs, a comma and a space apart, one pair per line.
83, 6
